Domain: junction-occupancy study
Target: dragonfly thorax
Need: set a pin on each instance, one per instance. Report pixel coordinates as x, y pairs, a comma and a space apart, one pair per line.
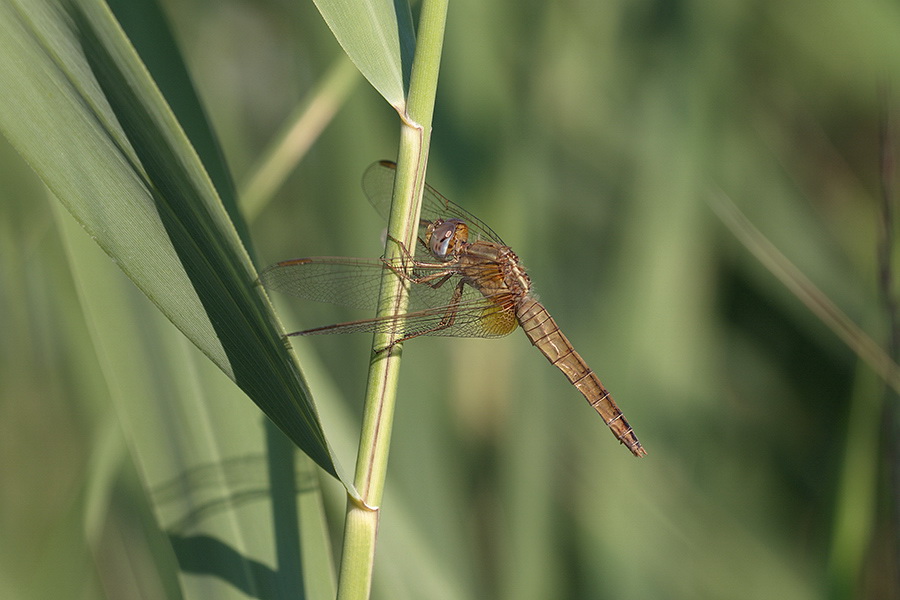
446, 237
514, 276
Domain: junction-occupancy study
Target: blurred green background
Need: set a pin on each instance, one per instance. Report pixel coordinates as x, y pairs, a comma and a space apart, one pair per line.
592, 137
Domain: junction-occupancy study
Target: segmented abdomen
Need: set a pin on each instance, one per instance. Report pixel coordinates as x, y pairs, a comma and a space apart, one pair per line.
544, 333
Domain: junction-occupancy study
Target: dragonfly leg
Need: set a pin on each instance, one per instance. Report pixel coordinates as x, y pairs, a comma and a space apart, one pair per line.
419, 240
446, 321
441, 276
407, 255
409, 262
407, 259
435, 280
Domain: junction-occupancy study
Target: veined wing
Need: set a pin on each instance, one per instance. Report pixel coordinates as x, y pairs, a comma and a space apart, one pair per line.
352, 282
481, 318
378, 184
356, 282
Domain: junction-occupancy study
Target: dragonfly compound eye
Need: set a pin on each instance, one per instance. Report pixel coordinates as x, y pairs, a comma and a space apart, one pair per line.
446, 237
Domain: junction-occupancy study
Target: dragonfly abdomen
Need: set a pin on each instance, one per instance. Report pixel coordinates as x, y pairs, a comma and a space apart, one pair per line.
544, 333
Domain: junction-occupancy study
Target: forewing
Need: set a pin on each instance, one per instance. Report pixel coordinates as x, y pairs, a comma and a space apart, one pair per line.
378, 184
355, 282
350, 282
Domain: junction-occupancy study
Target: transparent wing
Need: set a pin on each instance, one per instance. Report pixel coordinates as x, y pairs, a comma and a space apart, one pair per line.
353, 282
480, 318
378, 184
356, 282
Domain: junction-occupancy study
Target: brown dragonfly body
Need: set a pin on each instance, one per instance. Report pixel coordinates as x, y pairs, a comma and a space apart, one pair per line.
463, 282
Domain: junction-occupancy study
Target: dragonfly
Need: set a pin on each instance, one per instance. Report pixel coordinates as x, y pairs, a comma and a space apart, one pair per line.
462, 281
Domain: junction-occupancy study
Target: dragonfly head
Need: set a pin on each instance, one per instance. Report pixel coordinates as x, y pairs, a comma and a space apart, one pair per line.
445, 237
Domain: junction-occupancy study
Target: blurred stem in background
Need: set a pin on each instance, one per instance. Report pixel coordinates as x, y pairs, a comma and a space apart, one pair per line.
302, 129
889, 499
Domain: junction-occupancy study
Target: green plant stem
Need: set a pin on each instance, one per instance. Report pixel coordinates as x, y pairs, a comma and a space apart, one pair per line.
361, 524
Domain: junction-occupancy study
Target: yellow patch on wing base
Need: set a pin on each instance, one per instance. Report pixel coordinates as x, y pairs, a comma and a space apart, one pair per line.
497, 321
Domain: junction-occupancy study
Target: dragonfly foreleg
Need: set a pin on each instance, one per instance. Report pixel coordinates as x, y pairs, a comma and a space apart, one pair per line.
409, 262
441, 276
407, 255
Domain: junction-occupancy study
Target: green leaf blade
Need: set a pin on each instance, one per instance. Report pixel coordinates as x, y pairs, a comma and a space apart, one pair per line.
378, 37
82, 110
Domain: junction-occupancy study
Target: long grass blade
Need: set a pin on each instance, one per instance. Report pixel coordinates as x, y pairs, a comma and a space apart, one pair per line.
302, 129
806, 291
82, 110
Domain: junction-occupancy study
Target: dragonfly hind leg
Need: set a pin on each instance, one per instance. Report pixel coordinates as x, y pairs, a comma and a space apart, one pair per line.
447, 320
